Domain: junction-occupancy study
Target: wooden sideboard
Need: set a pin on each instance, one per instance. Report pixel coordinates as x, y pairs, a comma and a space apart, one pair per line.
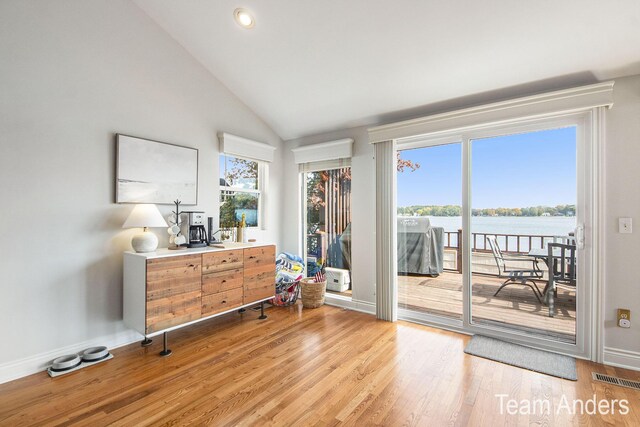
166, 290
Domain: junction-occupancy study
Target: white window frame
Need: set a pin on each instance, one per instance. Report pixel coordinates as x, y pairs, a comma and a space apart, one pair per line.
303, 170
472, 123
263, 174
586, 286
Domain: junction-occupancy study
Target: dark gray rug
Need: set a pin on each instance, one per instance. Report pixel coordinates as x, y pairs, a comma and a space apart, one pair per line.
523, 357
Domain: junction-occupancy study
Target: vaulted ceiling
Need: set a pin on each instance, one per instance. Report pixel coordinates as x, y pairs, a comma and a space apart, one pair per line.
313, 66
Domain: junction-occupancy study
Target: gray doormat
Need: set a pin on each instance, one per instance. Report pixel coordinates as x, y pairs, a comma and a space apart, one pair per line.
523, 357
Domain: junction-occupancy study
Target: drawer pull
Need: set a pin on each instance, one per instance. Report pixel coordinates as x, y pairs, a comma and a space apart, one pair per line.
224, 301
224, 281
191, 265
252, 257
224, 260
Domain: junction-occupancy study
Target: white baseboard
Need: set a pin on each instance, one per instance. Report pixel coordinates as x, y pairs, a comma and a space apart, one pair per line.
13, 370
622, 358
350, 304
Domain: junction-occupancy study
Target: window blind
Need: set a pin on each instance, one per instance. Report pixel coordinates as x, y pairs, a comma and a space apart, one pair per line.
326, 151
324, 165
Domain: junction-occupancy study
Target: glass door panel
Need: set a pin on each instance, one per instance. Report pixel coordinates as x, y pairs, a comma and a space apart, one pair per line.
429, 223
524, 198
328, 227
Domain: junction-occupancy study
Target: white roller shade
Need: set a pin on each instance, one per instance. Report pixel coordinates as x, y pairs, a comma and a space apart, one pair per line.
332, 150
324, 166
246, 148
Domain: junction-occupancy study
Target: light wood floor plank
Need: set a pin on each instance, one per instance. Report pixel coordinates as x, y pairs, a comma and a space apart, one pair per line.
319, 367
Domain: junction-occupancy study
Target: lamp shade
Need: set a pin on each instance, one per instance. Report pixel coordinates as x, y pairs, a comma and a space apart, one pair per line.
145, 215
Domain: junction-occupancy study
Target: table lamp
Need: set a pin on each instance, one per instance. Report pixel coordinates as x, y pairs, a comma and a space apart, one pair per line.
145, 216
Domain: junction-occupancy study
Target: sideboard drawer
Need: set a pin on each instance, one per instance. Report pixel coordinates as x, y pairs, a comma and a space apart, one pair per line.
163, 313
260, 279
172, 286
259, 293
222, 281
220, 261
171, 267
259, 273
260, 258
221, 301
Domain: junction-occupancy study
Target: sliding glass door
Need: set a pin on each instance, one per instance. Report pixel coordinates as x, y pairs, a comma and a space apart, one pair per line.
327, 223
429, 229
523, 200
491, 231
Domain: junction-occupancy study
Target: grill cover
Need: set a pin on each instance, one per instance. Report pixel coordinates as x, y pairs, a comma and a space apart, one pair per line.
420, 246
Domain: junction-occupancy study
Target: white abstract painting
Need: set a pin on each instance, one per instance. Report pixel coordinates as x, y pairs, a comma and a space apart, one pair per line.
155, 172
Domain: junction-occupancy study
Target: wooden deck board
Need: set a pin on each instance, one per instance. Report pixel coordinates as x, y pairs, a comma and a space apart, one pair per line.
515, 305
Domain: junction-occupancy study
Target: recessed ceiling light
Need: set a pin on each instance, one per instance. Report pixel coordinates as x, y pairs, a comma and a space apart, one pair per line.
244, 18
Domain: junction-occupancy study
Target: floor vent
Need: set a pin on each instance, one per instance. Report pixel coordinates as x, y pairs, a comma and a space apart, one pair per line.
616, 381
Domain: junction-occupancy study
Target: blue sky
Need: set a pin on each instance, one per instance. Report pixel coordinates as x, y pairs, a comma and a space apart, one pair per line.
537, 168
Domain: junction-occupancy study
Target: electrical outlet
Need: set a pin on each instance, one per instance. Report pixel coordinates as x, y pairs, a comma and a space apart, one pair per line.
624, 318
625, 225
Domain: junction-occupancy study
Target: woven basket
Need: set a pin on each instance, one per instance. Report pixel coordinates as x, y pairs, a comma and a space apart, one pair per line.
312, 293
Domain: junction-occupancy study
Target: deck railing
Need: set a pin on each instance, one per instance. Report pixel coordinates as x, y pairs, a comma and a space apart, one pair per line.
513, 243
508, 243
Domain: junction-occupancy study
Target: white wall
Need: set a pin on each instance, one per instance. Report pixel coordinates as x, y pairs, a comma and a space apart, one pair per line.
622, 251
362, 208
72, 74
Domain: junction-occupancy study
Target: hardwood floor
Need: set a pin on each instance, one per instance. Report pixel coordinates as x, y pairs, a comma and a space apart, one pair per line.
326, 366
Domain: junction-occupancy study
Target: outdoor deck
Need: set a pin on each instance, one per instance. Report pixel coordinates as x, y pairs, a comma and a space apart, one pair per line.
515, 305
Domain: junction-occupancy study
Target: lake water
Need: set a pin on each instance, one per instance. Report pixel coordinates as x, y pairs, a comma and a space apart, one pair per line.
537, 225
534, 225
250, 216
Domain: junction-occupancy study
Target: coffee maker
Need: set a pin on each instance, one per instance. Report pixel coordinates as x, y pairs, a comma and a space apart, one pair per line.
197, 231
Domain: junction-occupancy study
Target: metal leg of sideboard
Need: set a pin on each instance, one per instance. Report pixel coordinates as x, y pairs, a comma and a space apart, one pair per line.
165, 352
262, 315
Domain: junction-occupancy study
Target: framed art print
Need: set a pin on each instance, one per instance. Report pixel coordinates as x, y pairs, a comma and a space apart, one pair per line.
155, 172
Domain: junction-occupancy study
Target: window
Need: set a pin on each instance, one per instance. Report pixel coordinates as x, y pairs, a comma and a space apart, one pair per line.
240, 191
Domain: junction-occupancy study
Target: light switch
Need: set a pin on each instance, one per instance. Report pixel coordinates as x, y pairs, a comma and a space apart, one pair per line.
624, 225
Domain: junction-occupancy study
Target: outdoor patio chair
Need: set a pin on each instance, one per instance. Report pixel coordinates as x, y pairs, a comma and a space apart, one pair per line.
516, 276
567, 240
562, 270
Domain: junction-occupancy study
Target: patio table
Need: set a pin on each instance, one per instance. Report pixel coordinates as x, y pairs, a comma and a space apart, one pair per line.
543, 253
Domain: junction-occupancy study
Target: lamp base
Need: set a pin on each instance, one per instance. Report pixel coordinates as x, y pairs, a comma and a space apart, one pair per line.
144, 242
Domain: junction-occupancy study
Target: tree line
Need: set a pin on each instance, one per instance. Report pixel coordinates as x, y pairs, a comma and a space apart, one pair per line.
456, 210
